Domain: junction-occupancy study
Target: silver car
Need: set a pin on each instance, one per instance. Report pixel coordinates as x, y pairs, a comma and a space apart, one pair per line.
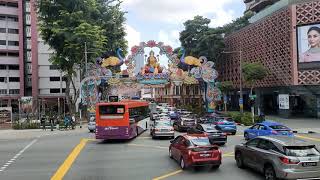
280, 157
92, 125
162, 129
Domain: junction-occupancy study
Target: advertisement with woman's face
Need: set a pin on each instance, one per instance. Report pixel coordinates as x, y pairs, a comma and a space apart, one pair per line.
309, 43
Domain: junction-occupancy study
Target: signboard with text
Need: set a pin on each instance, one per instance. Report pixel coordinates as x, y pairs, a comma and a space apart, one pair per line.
284, 101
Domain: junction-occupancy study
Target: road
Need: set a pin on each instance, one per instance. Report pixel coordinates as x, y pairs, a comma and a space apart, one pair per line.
77, 155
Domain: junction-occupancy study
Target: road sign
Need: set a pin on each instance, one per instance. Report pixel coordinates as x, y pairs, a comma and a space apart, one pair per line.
240, 101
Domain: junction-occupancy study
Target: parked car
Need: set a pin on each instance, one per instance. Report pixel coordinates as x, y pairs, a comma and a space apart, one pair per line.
267, 128
173, 115
162, 129
183, 124
194, 150
215, 136
280, 157
92, 124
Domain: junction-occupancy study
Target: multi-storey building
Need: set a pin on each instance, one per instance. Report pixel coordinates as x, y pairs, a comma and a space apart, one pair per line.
25, 69
278, 37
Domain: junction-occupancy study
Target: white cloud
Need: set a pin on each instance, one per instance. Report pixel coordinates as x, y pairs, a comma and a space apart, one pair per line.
178, 11
169, 37
133, 37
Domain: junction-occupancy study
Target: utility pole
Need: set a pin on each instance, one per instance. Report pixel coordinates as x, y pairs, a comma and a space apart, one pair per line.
241, 93
86, 56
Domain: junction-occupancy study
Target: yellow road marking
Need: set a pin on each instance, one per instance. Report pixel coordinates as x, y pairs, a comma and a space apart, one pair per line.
231, 154
63, 169
168, 175
309, 138
149, 146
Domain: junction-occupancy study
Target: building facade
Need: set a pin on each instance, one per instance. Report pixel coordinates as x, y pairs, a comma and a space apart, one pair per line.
277, 38
25, 69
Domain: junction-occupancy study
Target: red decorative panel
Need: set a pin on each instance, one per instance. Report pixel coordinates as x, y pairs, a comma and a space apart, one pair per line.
308, 13
267, 41
309, 77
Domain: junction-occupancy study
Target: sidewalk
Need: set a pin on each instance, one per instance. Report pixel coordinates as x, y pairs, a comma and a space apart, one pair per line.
301, 125
36, 133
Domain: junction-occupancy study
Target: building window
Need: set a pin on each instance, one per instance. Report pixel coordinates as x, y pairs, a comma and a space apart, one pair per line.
14, 79
2, 3
12, 18
28, 19
3, 42
13, 67
3, 54
3, 91
3, 79
13, 54
13, 31
63, 90
13, 43
28, 43
196, 90
3, 67
3, 18
14, 91
3, 30
54, 78
28, 7
54, 67
52, 91
177, 90
187, 90
29, 55
15, 5
28, 31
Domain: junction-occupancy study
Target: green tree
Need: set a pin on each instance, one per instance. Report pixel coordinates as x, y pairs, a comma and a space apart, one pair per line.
66, 25
225, 87
253, 72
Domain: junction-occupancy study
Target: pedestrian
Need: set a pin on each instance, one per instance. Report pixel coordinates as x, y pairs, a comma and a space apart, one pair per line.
66, 122
73, 123
43, 123
52, 122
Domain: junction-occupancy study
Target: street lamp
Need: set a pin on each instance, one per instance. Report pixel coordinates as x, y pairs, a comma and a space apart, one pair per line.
241, 93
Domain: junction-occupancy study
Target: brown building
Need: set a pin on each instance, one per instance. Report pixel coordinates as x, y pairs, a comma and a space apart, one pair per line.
278, 38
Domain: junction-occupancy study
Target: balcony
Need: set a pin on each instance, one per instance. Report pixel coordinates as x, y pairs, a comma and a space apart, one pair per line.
258, 5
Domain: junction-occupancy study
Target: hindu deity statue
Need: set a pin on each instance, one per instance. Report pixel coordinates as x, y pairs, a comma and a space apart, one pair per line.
152, 65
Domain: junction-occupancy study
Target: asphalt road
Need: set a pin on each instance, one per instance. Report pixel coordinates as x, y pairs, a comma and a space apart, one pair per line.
142, 158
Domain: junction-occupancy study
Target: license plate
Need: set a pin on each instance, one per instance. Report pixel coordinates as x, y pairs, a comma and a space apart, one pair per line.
306, 164
215, 135
205, 155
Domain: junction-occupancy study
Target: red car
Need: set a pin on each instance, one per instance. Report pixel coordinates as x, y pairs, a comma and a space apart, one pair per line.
194, 150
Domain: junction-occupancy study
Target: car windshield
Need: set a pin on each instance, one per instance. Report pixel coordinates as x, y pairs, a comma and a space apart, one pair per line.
163, 123
279, 127
301, 151
201, 141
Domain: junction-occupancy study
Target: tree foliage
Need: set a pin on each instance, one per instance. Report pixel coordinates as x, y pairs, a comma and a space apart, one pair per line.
199, 39
253, 72
225, 86
66, 25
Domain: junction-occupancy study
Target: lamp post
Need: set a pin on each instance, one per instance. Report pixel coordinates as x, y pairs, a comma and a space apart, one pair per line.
241, 93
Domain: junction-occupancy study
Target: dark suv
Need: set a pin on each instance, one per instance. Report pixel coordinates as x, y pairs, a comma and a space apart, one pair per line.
184, 123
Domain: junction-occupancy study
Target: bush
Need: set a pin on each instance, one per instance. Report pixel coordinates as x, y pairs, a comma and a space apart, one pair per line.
26, 126
245, 118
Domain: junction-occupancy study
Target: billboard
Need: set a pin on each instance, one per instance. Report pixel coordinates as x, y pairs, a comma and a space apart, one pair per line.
308, 37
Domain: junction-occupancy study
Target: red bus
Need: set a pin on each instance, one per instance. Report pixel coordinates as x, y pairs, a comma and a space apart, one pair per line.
121, 120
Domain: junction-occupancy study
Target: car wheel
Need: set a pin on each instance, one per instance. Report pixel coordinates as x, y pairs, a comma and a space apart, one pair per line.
239, 160
269, 173
170, 153
182, 163
246, 136
91, 131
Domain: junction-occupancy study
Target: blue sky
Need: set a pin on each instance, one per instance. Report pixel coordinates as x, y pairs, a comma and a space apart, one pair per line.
162, 20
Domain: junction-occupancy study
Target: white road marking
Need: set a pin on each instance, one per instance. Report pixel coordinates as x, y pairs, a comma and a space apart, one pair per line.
17, 155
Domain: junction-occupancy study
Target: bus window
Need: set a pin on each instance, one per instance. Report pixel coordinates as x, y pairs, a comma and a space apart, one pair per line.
114, 110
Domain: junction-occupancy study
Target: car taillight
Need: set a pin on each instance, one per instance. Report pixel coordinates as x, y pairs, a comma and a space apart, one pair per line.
220, 122
274, 132
171, 129
286, 160
156, 129
225, 134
